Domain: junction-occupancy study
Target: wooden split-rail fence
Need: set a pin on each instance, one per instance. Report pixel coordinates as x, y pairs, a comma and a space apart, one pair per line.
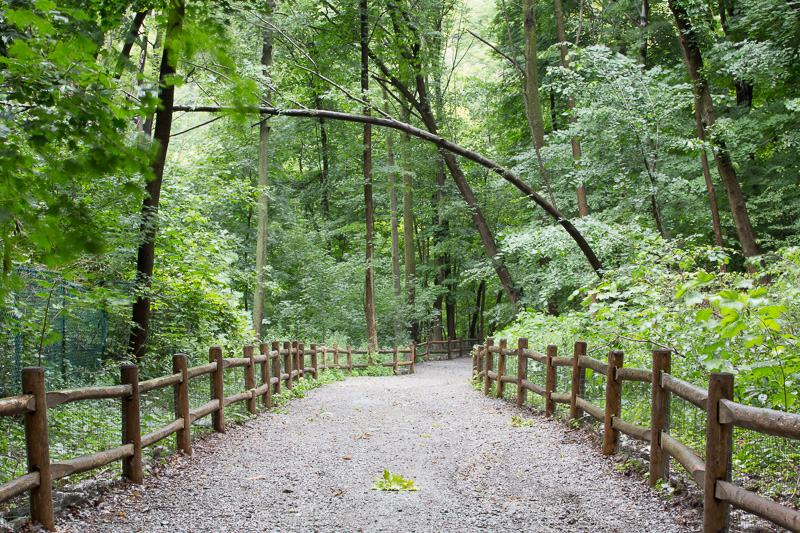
712, 475
279, 368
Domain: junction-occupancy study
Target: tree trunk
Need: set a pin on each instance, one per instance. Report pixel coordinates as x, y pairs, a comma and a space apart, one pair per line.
473, 325
163, 126
369, 289
533, 102
702, 97
410, 260
583, 204
398, 291
259, 293
712, 195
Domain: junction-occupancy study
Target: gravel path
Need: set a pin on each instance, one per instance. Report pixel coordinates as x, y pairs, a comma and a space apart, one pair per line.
310, 469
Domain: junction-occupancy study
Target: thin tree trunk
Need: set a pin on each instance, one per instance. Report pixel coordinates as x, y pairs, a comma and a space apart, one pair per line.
163, 126
369, 291
583, 203
130, 38
398, 291
450, 302
708, 116
259, 293
410, 260
712, 195
533, 102
473, 326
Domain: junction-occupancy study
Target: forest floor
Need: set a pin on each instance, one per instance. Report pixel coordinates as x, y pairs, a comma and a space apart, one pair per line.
310, 468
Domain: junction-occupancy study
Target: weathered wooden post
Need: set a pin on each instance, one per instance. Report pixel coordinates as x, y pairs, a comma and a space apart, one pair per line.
578, 381
396, 361
336, 356
487, 382
613, 402
522, 371
413, 355
314, 364
349, 359
287, 363
266, 375
38, 447
180, 391
449, 350
250, 378
301, 359
460, 347
501, 368
428, 350
719, 445
276, 368
217, 390
131, 428
550, 380
659, 416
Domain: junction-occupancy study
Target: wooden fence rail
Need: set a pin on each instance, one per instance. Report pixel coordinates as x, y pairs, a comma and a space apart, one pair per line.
279, 368
452, 348
712, 475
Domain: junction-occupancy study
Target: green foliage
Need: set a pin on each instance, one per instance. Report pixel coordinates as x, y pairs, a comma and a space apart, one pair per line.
518, 421
392, 482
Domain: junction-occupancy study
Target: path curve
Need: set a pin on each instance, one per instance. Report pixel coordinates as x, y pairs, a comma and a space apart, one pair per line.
310, 468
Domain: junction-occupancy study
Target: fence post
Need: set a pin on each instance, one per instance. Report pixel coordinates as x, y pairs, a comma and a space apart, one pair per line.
183, 437
349, 359
613, 403
266, 375
522, 371
487, 382
719, 443
38, 447
276, 368
659, 416
314, 364
475, 359
217, 389
396, 367
413, 355
460, 347
550, 381
324, 357
428, 350
288, 360
131, 428
501, 368
449, 351
300, 356
250, 379
578, 381
336, 356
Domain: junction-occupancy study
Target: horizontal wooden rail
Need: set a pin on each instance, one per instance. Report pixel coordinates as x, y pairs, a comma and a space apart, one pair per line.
634, 431
85, 463
18, 485
597, 413
691, 393
767, 421
202, 370
204, 410
601, 367
561, 361
17, 405
533, 387
536, 356
59, 397
235, 362
640, 375
560, 398
685, 456
163, 433
246, 395
159, 383
752, 503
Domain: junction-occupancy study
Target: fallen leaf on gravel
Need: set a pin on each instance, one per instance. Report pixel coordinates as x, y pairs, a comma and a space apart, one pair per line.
346, 457
256, 477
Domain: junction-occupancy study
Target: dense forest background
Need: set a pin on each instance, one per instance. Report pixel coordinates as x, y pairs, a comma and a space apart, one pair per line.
665, 133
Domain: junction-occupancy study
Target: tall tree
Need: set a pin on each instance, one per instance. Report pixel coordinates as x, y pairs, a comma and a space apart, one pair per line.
161, 136
369, 290
693, 59
394, 222
259, 294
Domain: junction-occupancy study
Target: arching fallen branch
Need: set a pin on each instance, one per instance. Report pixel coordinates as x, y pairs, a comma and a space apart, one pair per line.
444, 144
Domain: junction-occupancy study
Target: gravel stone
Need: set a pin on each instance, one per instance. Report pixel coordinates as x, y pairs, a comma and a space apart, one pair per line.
310, 469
